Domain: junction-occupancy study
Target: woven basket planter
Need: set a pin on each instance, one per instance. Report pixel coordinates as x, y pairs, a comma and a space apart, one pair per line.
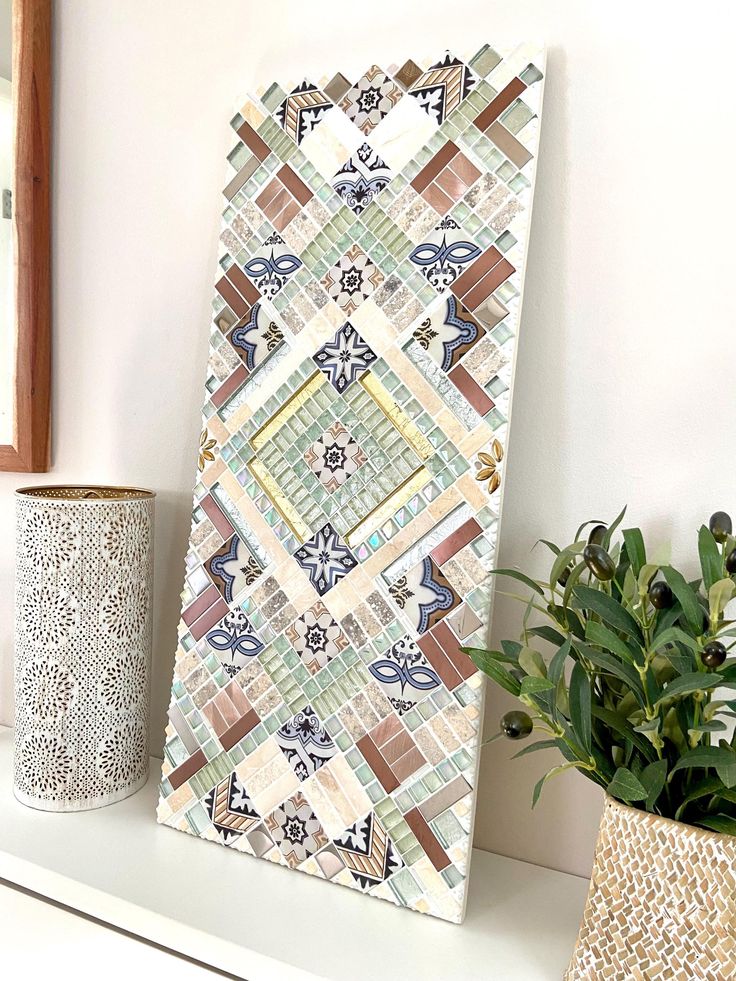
662, 902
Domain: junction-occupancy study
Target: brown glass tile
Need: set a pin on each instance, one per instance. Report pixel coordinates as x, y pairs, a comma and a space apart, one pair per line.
408, 74
477, 271
215, 717
231, 296
438, 199
448, 795
407, 764
509, 145
253, 141
297, 186
336, 87
458, 539
396, 747
203, 602
243, 285
215, 613
287, 214
425, 836
268, 193
187, 769
488, 284
276, 205
438, 163
218, 519
451, 184
385, 730
377, 763
477, 397
230, 385
238, 698
439, 661
451, 646
502, 101
465, 169
241, 728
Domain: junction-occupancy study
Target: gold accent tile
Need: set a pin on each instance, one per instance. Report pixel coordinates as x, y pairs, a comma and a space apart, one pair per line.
279, 500
380, 514
302, 395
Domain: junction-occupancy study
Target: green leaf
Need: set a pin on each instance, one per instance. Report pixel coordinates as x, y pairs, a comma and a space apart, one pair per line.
674, 635
719, 822
550, 545
547, 633
532, 662
613, 666
625, 786
557, 664
563, 560
624, 728
653, 778
719, 594
535, 747
520, 577
704, 756
511, 649
687, 597
684, 684
597, 633
607, 609
607, 538
495, 672
634, 543
580, 702
496, 655
533, 685
703, 788
710, 558
647, 572
550, 773
650, 731
593, 521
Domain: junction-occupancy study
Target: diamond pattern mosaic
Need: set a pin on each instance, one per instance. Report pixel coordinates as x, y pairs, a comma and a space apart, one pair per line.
323, 715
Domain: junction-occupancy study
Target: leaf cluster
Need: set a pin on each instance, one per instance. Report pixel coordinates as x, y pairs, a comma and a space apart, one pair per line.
618, 685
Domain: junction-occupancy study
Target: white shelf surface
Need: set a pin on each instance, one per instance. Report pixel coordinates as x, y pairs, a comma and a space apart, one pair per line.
262, 922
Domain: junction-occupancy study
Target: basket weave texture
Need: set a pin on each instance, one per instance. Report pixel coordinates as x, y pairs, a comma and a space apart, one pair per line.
662, 902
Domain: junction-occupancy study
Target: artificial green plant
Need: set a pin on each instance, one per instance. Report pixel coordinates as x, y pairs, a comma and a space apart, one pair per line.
623, 667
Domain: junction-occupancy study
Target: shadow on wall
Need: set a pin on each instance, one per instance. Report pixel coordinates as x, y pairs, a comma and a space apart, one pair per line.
539, 419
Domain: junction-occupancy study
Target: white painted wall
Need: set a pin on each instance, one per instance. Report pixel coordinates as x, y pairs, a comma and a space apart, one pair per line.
624, 390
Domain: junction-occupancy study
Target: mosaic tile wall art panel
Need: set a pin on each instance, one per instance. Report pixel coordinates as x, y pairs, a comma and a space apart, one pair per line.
323, 715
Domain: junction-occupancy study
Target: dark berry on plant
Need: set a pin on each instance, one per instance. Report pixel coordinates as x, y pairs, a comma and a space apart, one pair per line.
516, 725
597, 535
599, 562
731, 562
660, 596
564, 576
720, 525
713, 654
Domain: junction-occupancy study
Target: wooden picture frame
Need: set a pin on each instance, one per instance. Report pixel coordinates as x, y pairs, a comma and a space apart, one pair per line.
30, 450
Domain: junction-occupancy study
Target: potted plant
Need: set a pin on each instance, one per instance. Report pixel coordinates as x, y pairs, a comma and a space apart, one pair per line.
623, 667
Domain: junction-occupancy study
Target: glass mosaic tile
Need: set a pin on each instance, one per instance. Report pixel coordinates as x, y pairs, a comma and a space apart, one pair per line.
323, 714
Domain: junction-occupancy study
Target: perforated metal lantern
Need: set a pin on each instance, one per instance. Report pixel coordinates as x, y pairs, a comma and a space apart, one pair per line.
84, 580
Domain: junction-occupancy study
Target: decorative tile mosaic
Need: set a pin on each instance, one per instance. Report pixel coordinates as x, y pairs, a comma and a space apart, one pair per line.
323, 715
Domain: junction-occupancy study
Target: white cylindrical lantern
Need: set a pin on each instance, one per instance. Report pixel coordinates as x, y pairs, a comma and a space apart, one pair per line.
84, 583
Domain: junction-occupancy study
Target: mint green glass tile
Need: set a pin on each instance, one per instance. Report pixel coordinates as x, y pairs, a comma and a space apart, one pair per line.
531, 74
506, 171
405, 887
448, 829
197, 819
375, 792
452, 876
